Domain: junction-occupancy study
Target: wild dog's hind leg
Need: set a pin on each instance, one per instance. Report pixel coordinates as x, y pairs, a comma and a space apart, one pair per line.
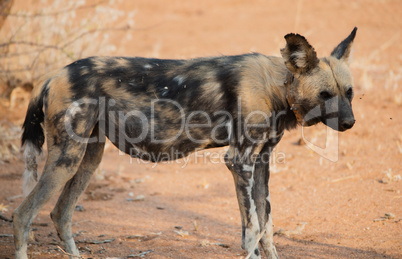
60, 166
64, 209
67, 133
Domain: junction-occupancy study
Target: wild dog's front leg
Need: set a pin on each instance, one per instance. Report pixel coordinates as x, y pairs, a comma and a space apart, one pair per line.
241, 163
263, 203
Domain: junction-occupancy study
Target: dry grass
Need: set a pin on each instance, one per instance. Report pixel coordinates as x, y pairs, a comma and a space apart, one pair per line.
39, 37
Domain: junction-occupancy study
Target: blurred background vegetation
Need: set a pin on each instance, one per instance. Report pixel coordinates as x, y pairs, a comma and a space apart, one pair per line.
46, 34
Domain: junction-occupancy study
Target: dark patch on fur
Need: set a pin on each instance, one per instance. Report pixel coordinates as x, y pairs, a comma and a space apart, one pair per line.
56, 140
151, 80
229, 79
65, 161
79, 82
342, 49
288, 121
32, 128
58, 119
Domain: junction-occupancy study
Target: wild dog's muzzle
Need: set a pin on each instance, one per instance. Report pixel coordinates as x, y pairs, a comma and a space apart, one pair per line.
337, 114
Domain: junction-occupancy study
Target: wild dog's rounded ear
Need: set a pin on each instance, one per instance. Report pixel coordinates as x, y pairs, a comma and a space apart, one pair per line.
342, 51
300, 57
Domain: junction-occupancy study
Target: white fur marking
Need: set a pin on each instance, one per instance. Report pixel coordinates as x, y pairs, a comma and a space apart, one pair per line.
229, 127
30, 176
269, 234
272, 134
247, 152
300, 57
74, 109
179, 79
165, 91
252, 233
269, 229
247, 168
147, 66
241, 139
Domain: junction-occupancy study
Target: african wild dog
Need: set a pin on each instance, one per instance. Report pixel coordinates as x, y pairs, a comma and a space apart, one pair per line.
148, 107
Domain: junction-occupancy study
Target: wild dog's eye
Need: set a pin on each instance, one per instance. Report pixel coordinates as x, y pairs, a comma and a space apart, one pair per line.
325, 95
349, 93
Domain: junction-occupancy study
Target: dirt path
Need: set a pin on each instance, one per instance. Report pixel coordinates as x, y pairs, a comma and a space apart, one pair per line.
321, 209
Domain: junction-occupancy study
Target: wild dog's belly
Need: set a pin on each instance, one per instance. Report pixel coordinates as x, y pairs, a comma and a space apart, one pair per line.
166, 134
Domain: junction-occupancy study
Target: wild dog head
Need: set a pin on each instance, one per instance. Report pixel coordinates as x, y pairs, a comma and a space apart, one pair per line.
320, 90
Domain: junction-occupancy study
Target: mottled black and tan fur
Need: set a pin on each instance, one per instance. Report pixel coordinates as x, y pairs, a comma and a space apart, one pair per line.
245, 102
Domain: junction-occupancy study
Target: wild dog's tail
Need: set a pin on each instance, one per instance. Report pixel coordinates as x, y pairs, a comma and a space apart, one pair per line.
33, 137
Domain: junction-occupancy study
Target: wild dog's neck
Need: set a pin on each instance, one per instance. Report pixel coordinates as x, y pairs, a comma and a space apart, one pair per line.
280, 98
273, 78
290, 98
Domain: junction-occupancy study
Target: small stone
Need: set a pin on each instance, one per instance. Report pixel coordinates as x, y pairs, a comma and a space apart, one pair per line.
389, 215
79, 208
181, 233
138, 198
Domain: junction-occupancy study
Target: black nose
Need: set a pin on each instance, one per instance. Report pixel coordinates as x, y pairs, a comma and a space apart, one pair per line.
347, 124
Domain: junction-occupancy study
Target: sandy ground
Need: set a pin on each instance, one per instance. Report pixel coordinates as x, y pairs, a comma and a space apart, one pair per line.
321, 209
